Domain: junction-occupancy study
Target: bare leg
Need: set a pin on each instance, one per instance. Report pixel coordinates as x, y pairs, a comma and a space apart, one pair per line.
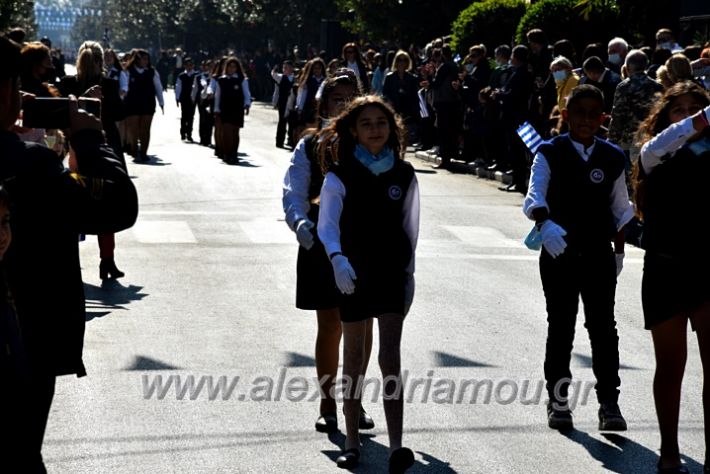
670, 345
353, 357
701, 323
390, 326
327, 355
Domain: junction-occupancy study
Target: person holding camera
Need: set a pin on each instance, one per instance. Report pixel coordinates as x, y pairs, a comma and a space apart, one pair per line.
51, 206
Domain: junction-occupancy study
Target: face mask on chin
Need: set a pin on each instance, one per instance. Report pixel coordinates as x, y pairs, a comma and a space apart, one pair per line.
469, 67
615, 59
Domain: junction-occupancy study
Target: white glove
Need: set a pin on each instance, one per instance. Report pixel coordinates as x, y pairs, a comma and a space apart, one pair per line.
304, 234
344, 274
552, 238
619, 262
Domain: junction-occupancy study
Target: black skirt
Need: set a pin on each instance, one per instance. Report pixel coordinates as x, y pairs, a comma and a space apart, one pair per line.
315, 283
672, 286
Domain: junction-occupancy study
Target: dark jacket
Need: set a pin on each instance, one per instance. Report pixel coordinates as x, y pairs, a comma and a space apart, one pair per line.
515, 96
50, 208
402, 94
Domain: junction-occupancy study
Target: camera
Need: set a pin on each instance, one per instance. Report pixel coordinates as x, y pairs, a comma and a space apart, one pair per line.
53, 112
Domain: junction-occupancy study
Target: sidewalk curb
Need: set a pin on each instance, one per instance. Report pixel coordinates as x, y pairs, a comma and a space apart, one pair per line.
467, 168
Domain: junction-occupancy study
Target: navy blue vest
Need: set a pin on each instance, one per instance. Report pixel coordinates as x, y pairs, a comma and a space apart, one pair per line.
675, 203
187, 79
232, 99
140, 99
579, 192
371, 225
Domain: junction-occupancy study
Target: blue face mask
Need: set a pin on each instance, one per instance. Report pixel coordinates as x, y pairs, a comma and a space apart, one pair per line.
378, 164
469, 68
615, 58
559, 75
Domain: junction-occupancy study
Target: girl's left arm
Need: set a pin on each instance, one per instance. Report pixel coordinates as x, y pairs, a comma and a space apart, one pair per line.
410, 221
247, 93
158, 89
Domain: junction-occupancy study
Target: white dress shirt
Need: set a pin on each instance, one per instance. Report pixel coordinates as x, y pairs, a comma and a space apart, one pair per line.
296, 184
666, 143
541, 174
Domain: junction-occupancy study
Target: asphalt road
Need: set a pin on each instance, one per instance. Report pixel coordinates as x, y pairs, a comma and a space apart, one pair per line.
209, 292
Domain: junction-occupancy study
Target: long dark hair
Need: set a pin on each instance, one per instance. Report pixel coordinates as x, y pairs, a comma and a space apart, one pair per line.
233, 60
136, 54
307, 71
657, 121
336, 142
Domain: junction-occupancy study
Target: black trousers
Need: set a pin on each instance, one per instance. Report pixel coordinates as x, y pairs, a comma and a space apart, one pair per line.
284, 122
187, 118
448, 125
206, 123
591, 275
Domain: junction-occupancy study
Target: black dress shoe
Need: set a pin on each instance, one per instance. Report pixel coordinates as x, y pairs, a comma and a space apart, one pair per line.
401, 460
559, 417
674, 470
365, 422
108, 270
327, 423
610, 418
348, 459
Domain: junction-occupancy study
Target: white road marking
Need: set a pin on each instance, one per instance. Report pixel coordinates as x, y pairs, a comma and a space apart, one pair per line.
268, 232
482, 236
163, 232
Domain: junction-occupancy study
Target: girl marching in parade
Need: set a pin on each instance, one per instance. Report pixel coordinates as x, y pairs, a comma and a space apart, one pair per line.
143, 88
315, 286
676, 287
205, 102
369, 191
184, 99
308, 84
231, 102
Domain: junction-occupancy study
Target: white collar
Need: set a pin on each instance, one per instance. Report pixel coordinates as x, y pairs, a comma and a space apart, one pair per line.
585, 153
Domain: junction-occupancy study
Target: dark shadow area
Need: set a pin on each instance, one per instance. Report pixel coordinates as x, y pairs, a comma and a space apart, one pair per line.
420, 171
153, 160
96, 314
141, 363
586, 361
624, 456
442, 359
294, 359
374, 456
243, 164
241, 153
111, 295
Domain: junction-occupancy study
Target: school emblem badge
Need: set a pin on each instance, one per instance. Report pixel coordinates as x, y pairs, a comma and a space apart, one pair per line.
597, 176
395, 193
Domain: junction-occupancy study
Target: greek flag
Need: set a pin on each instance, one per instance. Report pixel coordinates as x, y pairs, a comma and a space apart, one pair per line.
530, 137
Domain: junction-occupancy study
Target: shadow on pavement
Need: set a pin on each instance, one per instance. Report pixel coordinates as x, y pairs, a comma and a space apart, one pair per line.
374, 456
442, 359
624, 456
111, 295
153, 160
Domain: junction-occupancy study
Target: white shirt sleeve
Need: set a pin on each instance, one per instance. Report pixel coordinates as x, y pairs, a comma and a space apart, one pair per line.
668, 141
411, 210
331, 207
539, 183
247, 93
158, 89
178, 89
123, 81
276, 77
295, 186
212, 87
217, 96
621, 207
301, 98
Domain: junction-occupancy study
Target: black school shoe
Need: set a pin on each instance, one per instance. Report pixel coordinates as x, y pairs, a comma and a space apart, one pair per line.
610, 418
401, 460
349, 459
559, 417
682, 469
365, 422
327, 423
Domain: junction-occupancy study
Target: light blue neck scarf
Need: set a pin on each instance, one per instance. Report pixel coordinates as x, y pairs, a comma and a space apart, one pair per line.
377, 164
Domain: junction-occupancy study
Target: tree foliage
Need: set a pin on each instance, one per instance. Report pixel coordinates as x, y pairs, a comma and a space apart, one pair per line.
567, 19
491, 22
14, 13
403, 21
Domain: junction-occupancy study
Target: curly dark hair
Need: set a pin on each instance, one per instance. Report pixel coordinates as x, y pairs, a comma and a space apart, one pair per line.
336, 142
655, 123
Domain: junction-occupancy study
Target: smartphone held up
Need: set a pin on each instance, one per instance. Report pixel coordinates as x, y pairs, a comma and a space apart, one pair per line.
53, 112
